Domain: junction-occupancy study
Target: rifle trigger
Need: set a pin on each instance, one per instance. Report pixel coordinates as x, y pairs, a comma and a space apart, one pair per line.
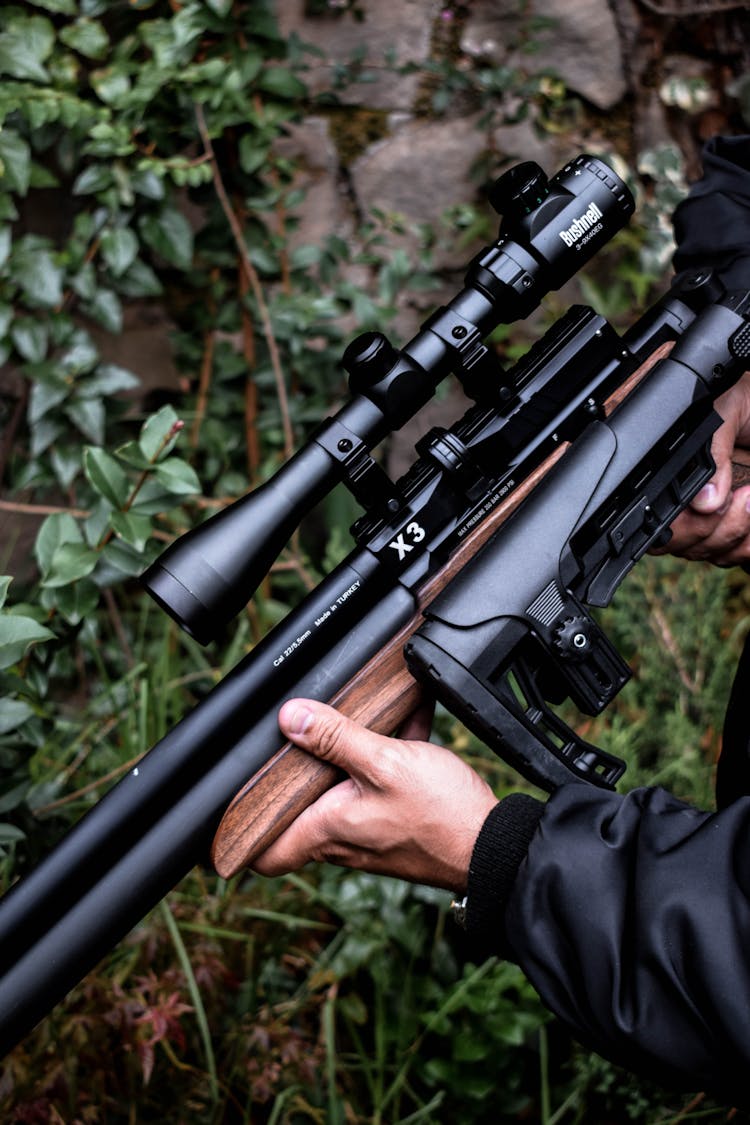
636, 517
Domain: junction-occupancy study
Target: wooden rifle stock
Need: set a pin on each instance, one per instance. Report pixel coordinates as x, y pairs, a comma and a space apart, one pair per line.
380, 696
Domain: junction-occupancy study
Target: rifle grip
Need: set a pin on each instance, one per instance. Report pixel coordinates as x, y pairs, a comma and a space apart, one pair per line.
381, 696
275, 796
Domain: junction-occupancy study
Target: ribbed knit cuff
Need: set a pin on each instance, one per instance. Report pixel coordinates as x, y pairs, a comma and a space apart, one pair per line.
500, 848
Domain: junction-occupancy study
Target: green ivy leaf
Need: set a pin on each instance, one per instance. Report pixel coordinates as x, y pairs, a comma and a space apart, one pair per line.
70, 562
170, 235
64, 7
88, 416
123, 557
8, 209
25, 44
119, 249
16, 634
281, 83
132, 454
95, 178
10, 834
84, 282
140, 281
45, 397
159, 433
148, 184
66, 464
153, 499
12, 798
106, 310
106, 476
36, 271
221, 7
5, 581
81, 357
15, 162
133, 528
96, 524
42, 177
44, 432
13, 712
112, 86
86, 36
77, 601
108, 379
56, 529
30, 337
253, 154
179, 477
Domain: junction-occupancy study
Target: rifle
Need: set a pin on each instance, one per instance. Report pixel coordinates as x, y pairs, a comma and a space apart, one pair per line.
151, 828
505, 629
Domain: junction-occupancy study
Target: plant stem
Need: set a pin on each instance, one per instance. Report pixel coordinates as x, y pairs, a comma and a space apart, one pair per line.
195, 996
254, 280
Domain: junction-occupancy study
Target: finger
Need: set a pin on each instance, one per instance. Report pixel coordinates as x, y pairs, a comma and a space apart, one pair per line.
692, 528
328, 734
418, 725
311, 837
716, 492
723, 538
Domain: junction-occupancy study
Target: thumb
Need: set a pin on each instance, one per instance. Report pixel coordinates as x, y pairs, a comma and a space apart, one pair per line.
328, 734
714, 495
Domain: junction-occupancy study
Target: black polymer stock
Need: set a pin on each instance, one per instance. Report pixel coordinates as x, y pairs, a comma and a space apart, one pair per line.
512, 631
147, 833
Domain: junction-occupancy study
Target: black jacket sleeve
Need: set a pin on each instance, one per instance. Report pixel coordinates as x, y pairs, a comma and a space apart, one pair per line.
631, 917
631, 913
712, 225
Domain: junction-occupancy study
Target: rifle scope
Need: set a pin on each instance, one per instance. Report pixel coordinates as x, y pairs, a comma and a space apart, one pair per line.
549, 229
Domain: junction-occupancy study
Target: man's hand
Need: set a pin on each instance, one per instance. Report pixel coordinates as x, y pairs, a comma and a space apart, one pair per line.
410, 809
716, 525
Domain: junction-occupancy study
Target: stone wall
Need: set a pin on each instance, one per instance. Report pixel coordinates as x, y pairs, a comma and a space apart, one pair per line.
410, 132
416, 129
637, 79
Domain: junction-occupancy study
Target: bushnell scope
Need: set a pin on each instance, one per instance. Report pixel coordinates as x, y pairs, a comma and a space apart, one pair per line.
549, 229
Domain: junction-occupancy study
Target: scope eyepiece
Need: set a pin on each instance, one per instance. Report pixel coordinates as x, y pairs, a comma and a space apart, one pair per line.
548, 233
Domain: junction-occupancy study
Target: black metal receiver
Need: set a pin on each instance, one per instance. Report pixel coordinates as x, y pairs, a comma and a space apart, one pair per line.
512, 632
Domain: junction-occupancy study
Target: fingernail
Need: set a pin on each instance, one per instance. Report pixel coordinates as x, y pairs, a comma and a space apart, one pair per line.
297, 718
707, 495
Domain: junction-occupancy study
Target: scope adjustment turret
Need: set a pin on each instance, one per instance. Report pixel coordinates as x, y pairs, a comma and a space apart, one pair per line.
519, 191
368, 359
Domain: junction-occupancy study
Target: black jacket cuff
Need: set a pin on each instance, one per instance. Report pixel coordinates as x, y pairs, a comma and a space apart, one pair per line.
500, 848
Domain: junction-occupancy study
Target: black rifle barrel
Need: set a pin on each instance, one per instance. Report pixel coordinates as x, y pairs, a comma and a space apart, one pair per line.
130, 880
265, 677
